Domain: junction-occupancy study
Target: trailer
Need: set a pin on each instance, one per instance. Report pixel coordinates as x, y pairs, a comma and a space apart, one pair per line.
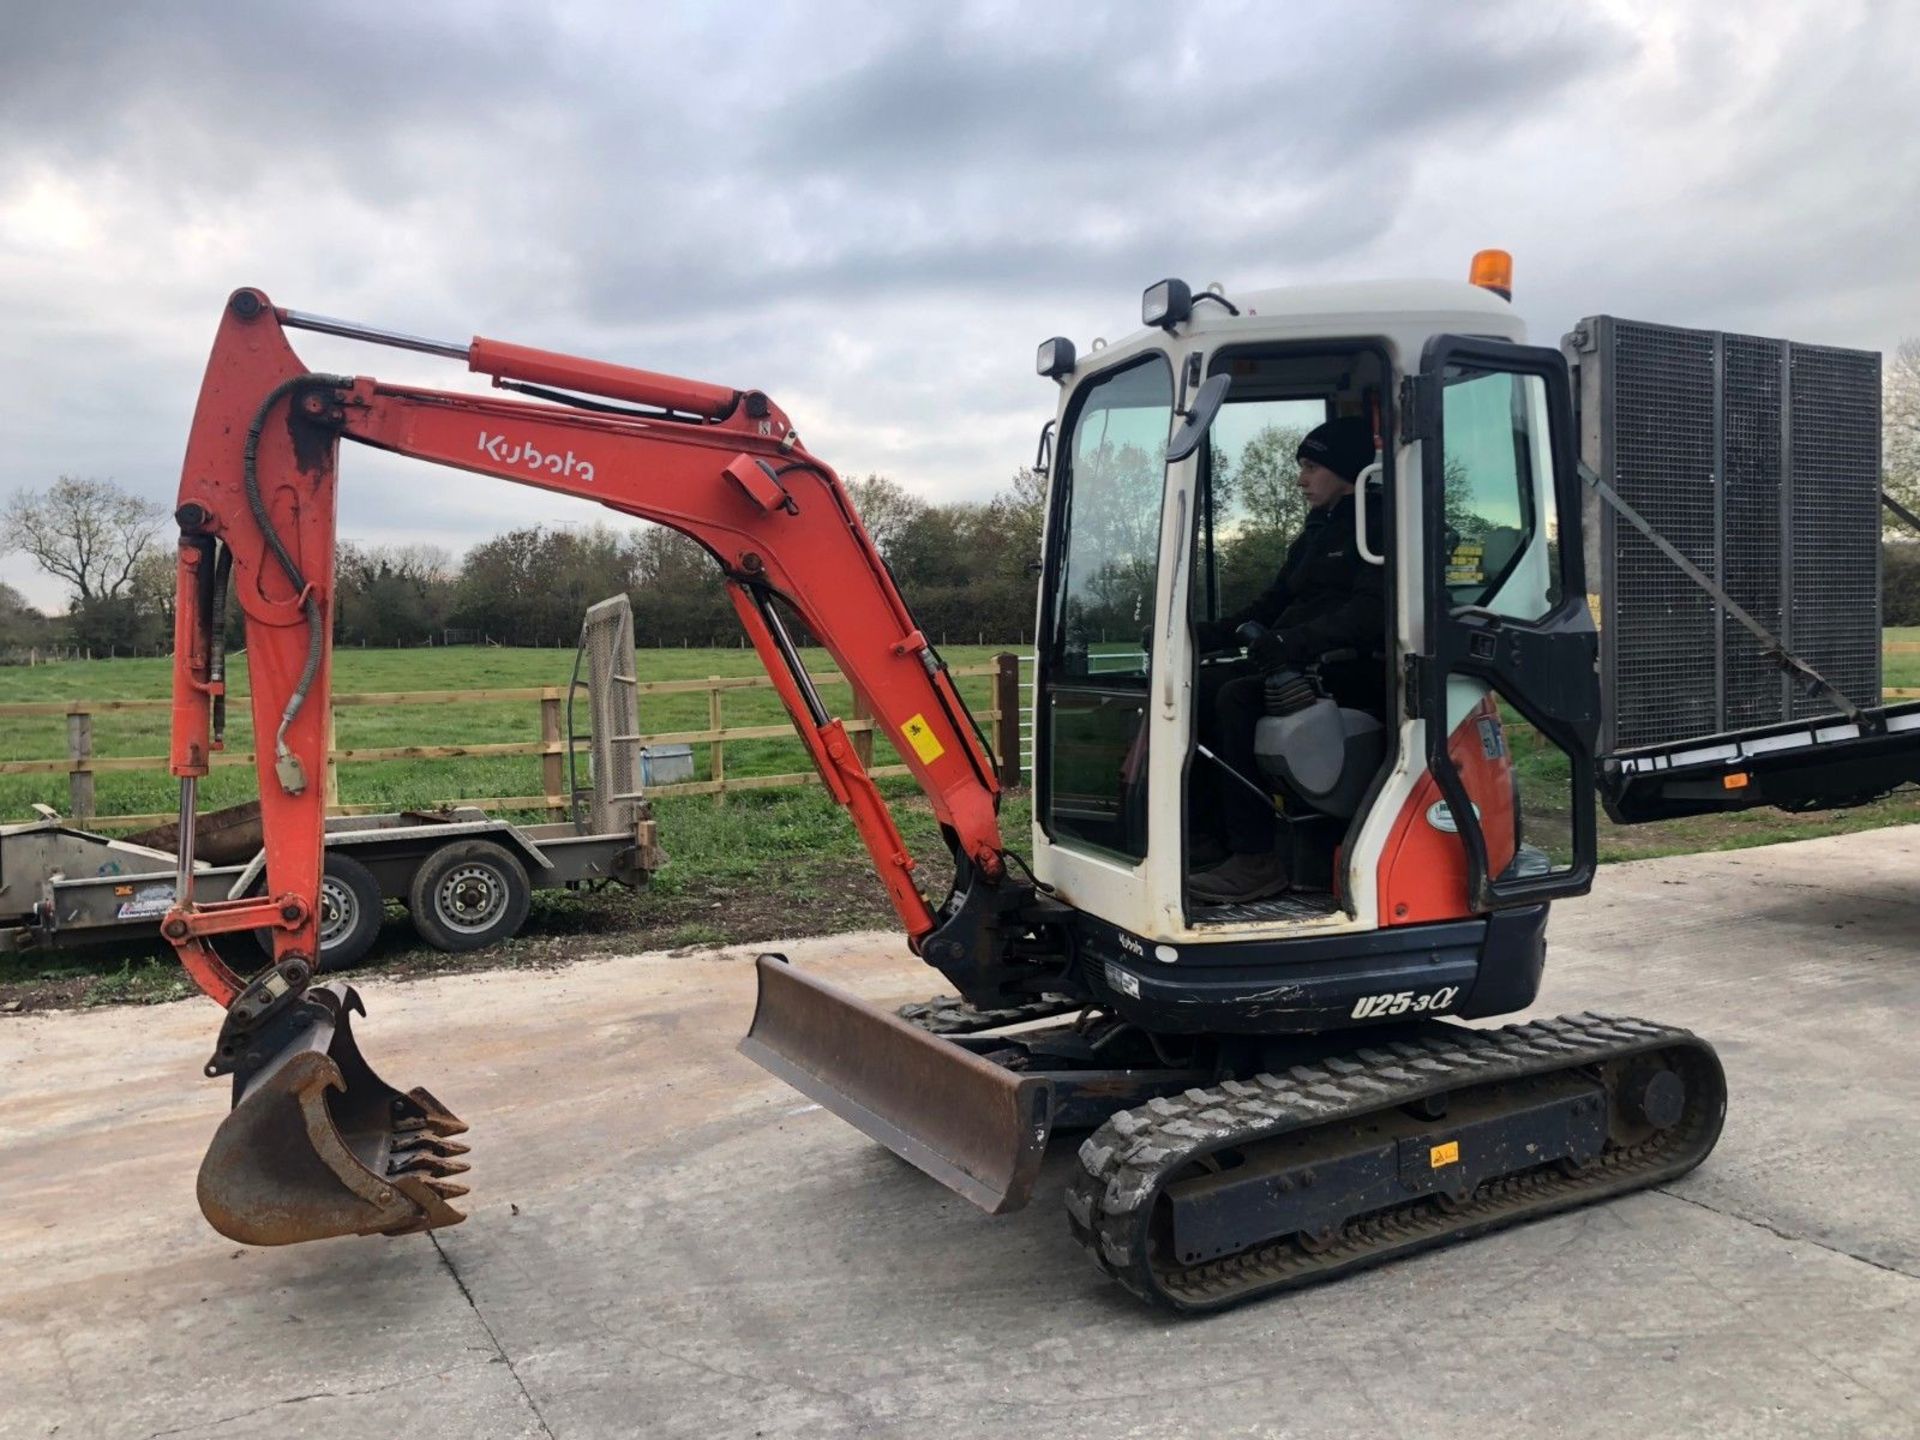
465, 877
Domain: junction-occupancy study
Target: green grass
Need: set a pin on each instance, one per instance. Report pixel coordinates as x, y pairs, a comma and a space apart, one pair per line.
760, 865
399, 784
1901, 671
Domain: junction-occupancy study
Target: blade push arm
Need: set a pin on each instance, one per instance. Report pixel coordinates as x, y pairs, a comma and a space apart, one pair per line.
723, 466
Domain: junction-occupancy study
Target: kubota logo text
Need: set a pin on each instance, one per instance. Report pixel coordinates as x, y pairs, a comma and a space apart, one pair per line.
506, 452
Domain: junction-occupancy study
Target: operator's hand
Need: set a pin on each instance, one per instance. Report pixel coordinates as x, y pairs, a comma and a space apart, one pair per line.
1265, 647
1212, 635
1269, 652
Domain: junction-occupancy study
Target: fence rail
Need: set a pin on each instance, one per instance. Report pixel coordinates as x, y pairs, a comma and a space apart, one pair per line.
80, 764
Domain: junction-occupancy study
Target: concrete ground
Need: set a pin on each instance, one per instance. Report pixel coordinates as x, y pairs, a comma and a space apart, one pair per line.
666, 1242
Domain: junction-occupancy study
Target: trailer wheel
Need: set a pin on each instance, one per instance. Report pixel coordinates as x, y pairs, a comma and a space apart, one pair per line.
469, 894
351, 910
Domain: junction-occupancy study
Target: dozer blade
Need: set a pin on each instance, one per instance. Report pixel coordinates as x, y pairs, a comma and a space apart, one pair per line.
318, 1145
978, 1129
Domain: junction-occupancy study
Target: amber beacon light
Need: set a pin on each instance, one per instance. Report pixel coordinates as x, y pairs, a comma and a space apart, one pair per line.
1493, 270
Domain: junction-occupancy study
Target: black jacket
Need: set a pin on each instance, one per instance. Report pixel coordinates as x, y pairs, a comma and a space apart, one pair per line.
1326, 596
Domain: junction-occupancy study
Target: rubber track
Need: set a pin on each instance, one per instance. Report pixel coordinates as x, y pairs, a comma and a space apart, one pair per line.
1124, 1164
950, 1015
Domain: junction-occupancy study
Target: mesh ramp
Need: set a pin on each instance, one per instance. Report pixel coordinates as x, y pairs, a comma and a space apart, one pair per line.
613, 800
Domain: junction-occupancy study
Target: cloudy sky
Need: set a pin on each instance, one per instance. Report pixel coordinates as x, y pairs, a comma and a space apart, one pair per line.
874, 212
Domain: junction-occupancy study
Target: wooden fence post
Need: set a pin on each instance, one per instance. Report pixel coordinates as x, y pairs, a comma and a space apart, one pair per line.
1006, 721
331, 791
79, 772
862, 739
553, 771
717, 748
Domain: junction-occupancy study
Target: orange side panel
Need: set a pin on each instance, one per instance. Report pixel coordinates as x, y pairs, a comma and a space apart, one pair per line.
1423, 871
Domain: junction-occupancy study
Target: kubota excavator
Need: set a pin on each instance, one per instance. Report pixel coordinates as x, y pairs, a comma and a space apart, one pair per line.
1273, 1093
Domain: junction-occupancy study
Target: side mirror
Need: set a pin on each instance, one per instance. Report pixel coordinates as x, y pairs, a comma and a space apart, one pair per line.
1167, 304
1043, 457
1055, 357
1199, 418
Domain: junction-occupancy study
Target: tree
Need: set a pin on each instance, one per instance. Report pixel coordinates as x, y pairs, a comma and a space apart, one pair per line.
530, 587
888, 510
391, 594
1901, 430
20, 623
1257, 510
89, 533
678, 593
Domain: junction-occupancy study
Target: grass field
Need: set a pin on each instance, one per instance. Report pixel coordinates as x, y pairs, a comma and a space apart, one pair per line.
396, 784
761, 865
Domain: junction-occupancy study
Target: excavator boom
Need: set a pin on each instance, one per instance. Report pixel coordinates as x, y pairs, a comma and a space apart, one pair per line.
317, 1144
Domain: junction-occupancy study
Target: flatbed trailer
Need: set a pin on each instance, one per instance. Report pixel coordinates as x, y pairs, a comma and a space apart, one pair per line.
465, 876
1822, 764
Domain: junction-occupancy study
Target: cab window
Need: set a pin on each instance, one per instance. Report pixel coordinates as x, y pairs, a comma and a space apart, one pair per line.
1498, 479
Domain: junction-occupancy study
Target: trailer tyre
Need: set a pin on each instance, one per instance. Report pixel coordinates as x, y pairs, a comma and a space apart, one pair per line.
469, 894
351, 909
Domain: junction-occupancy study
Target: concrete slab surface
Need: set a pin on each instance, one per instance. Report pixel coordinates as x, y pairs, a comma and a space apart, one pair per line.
666, 1242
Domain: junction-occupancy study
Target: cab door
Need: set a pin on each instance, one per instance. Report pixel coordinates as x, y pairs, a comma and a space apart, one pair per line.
1509, 682
1099, 601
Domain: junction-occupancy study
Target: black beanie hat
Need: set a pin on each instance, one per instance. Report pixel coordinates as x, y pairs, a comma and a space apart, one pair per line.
1344, 446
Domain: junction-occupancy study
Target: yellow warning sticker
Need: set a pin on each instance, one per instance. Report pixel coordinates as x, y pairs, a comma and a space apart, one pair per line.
1447, 1154
921, 737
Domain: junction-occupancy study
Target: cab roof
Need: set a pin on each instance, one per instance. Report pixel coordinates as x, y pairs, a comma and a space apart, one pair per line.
1404, 312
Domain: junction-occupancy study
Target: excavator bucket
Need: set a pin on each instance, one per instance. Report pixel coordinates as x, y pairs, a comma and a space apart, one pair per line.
317, 1145
978, 1129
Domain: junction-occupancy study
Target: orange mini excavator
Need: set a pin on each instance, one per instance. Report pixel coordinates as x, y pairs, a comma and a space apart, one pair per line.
1275, 1089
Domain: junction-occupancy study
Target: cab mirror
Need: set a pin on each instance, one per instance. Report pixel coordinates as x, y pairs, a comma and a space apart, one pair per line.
1199, 418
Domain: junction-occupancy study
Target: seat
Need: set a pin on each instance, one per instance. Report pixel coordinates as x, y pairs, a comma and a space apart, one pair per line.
1321, 752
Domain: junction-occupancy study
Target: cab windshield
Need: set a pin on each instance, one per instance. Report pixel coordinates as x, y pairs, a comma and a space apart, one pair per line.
1106, 551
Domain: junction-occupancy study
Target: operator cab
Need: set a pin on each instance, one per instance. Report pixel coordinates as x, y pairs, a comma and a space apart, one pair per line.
1154, 533
1323, 739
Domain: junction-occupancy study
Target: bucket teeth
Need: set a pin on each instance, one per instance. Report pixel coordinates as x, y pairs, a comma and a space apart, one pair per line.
417, 1110
429, 1144
317, 1144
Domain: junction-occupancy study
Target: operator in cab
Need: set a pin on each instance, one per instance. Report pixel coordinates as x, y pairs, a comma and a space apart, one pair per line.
1325, 610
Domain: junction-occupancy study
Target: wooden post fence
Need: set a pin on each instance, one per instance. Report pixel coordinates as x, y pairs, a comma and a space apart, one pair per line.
81, 765
553, 764
1006, 717
80, 768
718, 749
861, 735
332, 787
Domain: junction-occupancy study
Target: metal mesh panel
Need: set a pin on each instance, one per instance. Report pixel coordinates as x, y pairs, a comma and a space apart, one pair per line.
1835, 588
613, 707
1758, 460
1750, 526
1663, 642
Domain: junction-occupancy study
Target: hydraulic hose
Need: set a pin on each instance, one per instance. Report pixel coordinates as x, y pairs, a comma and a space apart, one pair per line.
292, 777
217, 642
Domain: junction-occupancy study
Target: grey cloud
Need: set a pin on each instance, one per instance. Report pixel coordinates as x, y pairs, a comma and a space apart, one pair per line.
874, 211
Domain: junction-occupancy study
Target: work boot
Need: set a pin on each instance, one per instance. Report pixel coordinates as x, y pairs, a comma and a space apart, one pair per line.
1205, 851
1242, 879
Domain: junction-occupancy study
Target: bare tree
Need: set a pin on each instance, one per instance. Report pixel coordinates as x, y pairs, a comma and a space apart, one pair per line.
89, 533
888, 510
1901, 431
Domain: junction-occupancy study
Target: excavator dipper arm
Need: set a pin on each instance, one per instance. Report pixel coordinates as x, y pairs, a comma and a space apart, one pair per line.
722, 466
256, 515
